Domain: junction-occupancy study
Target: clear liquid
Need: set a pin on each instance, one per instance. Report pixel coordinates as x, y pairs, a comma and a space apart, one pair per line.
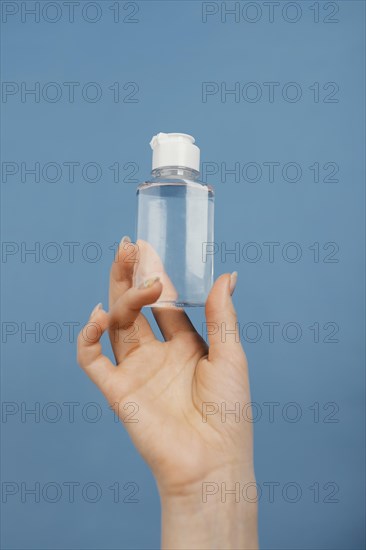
175, 239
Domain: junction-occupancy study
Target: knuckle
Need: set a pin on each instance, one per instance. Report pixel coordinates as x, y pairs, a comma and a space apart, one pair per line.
79, 357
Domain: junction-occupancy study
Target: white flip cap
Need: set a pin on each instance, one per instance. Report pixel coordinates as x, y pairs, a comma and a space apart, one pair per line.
175, 150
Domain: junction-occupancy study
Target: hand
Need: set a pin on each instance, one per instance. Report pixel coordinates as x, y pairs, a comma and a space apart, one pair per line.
173, 382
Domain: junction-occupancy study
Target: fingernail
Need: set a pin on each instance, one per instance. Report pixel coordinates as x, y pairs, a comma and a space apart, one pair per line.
233, 281
149, 282
125, 239
97, 308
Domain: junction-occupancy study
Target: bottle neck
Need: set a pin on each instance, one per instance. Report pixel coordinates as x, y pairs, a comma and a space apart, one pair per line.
175, 171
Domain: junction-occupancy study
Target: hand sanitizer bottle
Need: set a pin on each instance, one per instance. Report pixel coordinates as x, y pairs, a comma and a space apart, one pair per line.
175, 224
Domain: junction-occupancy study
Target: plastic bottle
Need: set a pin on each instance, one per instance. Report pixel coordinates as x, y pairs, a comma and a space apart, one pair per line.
175, 224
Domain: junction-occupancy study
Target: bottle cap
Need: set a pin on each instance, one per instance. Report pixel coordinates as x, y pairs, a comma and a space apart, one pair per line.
175, 150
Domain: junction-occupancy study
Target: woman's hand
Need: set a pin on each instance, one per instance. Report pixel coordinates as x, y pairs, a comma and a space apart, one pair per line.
190, 429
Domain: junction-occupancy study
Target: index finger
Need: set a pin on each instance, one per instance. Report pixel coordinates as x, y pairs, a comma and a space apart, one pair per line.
121, 276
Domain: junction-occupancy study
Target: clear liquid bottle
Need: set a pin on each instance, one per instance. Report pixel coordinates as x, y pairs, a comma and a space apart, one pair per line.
175, 224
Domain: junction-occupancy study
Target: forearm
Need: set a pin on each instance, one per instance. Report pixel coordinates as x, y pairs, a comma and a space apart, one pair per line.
219, 513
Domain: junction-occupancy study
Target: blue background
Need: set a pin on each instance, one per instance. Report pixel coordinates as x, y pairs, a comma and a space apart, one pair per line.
169, 52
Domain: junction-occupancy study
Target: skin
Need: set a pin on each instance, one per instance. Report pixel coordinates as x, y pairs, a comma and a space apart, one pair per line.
190, 451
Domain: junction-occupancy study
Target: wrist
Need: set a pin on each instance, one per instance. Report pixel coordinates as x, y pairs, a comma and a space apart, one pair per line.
217, 512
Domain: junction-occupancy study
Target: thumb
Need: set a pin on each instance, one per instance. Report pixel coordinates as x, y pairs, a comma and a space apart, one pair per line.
221, 320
